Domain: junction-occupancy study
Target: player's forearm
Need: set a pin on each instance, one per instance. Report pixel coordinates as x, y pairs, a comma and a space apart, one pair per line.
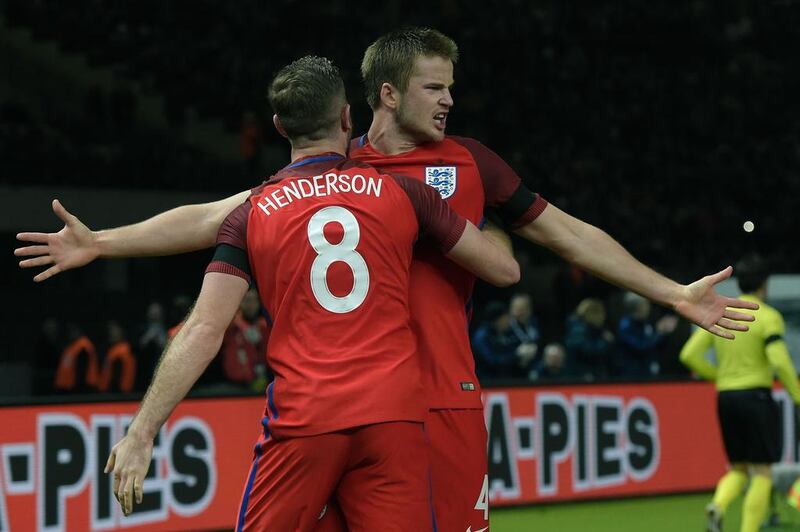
595, 251
181, 365
498, 237
179, 230
779, 359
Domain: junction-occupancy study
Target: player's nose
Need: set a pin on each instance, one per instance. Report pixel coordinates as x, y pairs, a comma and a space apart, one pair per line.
447, 98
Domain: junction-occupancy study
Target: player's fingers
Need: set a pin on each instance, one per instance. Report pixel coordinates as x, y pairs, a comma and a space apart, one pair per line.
119, 485
722, 333
721, 275
739, 316
29, 251
732, 325
127, 495
138, 488
741, 303
39, 238
63, 213
38, 261
48, 273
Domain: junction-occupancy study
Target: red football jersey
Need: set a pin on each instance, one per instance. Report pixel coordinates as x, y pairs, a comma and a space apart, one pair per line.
328, 243
471, 178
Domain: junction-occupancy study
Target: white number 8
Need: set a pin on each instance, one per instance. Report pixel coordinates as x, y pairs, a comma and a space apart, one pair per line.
344, 251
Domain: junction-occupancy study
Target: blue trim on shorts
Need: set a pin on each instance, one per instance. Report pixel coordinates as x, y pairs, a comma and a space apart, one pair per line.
430, 484
248, 489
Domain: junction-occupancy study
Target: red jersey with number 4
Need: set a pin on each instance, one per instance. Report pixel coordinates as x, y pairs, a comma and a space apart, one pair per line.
471, 178
328, 242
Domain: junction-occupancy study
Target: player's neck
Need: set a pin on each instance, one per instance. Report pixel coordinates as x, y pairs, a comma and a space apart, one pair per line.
317, 148
386, 137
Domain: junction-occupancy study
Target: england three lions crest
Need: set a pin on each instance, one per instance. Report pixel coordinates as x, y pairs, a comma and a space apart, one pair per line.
442, 178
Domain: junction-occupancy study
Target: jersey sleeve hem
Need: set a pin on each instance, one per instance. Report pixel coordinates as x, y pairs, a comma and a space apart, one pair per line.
533, 211
455, 234
218, 266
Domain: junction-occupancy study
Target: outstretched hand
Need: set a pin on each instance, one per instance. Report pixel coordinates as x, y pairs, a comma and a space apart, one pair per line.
72, 247
704, 306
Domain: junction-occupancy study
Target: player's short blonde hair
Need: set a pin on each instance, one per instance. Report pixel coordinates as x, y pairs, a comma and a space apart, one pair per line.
391, 58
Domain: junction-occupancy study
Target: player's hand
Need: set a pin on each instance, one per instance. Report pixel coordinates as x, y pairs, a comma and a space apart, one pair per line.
72, 247
129, 461
704, 306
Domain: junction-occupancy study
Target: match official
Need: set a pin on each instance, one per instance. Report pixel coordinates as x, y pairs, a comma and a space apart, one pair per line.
748, 415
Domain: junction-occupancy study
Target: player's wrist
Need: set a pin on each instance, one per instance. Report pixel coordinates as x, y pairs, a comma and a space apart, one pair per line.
101, 244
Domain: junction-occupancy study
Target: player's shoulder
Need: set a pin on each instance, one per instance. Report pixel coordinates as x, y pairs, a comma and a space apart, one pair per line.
467, 143
768, 312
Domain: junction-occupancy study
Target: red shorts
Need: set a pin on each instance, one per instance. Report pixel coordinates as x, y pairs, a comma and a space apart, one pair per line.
459, 466
459, 480
378, 474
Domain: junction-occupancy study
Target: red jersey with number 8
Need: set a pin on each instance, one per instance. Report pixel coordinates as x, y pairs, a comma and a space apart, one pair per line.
328, 243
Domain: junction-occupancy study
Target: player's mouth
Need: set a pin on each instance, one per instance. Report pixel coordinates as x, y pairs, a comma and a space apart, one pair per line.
440, 120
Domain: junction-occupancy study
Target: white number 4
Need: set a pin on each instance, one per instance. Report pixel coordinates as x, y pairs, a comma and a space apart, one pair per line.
483, 498
344, 251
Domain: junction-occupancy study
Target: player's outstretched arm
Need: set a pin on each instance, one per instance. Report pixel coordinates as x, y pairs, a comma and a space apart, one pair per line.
179, 368
485, 258
180, 230
595, 251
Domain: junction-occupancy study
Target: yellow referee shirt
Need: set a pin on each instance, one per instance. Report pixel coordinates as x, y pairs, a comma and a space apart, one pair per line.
748, 361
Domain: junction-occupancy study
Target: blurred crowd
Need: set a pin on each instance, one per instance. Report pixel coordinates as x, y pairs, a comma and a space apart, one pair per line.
668, 125
72, 360
636, 342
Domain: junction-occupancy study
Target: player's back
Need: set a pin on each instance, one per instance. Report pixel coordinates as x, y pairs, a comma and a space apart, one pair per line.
742, 362
329, 243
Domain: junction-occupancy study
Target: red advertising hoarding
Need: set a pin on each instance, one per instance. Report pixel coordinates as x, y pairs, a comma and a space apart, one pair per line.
545, 444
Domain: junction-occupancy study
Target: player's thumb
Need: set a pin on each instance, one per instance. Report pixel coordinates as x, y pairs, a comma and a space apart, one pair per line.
110, 462
721, 276
63, 213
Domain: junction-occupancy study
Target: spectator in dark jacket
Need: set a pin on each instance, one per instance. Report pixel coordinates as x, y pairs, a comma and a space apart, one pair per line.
589, 344
498, 351
639, 339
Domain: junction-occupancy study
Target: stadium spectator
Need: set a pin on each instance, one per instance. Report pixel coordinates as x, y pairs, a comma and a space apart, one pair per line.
77, 371
524, 324
151, 343
179, 308
552, 366
638, 339
588, 342
498, 351
250, 140
46, 356
749, 417
119, 365
245, 344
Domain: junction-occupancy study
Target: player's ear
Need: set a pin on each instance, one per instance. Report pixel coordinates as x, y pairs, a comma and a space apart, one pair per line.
390, 96
347, 121
279, 126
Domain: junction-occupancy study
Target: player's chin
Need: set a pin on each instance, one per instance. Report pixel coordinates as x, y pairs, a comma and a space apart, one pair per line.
435, 134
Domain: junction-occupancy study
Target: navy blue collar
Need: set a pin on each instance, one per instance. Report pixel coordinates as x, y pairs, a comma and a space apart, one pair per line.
315, 159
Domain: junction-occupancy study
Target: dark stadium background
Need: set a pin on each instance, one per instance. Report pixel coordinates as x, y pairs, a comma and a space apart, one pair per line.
668, 124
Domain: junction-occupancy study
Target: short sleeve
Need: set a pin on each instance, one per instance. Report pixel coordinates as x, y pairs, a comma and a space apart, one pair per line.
230, 255
504, 190
436, 219
774, 328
